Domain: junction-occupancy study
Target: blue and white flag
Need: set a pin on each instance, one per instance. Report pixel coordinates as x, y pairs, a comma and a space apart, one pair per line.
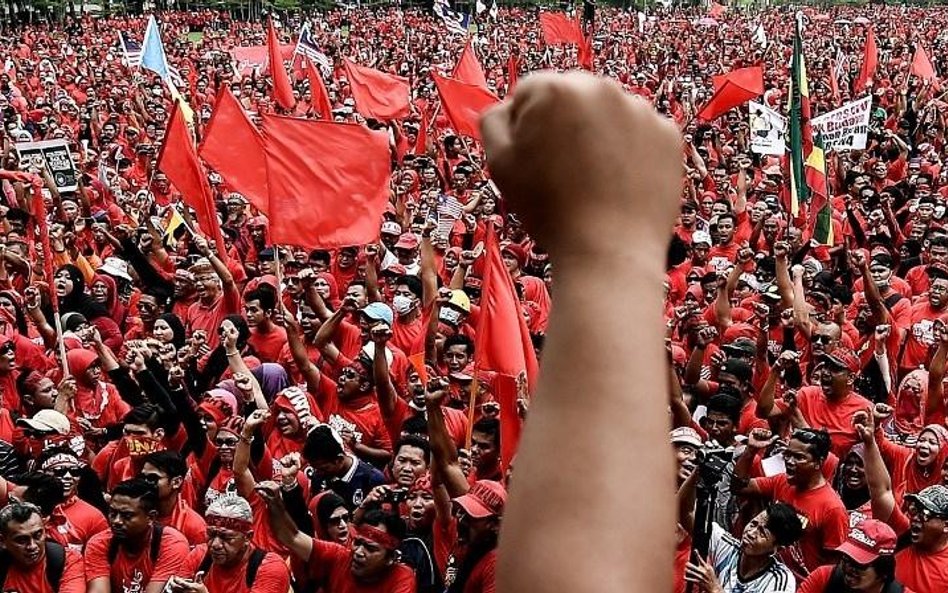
131, 51
455, 22
308, 47
153, 52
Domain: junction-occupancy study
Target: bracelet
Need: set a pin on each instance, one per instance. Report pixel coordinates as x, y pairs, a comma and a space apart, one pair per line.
234, 353
247, 440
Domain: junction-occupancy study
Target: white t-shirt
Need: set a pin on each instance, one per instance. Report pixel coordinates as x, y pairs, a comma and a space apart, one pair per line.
724, 554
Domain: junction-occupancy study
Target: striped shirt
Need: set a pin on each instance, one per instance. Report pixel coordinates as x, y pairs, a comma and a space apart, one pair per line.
725, 554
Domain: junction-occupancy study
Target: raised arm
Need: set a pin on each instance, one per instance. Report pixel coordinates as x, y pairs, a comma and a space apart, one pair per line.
285, 530
444, 455
609, 247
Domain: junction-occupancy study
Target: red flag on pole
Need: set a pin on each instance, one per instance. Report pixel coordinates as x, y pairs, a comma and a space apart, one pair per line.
921, 65
585, 56
732, 90
378, 95
503, 345
328, 182
232, 146
42, 227
464, 104
468, 69
421, 141
716, 10
178, 160
317, 88
870, 60
282, 88
558, 29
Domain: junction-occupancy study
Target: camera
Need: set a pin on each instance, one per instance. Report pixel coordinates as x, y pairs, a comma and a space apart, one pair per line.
397, 495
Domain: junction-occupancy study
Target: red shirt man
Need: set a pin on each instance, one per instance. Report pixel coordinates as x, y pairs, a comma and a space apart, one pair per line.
22, 536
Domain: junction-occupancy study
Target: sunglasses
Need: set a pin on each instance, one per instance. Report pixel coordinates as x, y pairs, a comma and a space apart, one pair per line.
821, 338
341, 519
62, 472
226, 442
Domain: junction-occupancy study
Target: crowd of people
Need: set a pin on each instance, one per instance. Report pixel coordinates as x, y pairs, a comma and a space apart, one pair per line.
272, 418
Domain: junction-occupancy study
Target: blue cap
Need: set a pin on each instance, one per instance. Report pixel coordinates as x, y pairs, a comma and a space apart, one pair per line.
379, 312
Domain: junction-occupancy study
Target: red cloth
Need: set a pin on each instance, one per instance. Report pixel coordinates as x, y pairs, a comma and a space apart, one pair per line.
464, 103
179, 161
317, 89
34, 579
558, 28
234, 148
926, 573
329, 563
870, 60
468, 70
378, 95
282, 88
273, 576
328, 182
503, 345
921, 65
733, 90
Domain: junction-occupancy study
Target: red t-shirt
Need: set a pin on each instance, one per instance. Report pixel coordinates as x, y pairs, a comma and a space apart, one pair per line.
273, 576
925, 573
134, 573
820, 578
409, 337
268, 345
835, 417
185, 520
921, 335
329, 565
34, 579
825, 520
210, 317
74, 522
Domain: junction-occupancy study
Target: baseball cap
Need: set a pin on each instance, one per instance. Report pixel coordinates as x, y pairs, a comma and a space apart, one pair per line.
868, 540
47, 421
390, 227
700, 237
379, 312
772, 292
934, 499
843, 358
685, 435
407, 241
486, 498
741, 346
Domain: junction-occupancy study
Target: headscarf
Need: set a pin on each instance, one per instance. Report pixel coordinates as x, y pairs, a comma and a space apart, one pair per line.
445, 273
177, 328
916, 479
333, 299
116, 309
78, 301
908, 416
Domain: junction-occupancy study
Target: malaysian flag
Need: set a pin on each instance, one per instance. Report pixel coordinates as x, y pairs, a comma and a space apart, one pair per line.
455, 22
307, 46
131, 51
842, 65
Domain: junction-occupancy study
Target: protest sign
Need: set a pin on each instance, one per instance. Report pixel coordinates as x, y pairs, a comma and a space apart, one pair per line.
768, 130
845, 128
55, 156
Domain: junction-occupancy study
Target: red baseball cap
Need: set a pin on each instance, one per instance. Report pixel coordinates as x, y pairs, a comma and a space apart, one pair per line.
868, 540
486, 498
843, 358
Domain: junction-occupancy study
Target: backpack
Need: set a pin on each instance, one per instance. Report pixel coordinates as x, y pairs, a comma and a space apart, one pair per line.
253, 564
55, 565
154, 548
836, 583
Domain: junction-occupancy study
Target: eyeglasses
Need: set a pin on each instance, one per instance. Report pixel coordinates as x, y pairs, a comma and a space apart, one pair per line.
855, 565
914, 510
226, 442
62, 472
153, 478
341, 519
348, 373
821, 338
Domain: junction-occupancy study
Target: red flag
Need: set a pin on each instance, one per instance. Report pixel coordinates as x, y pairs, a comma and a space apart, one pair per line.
42, 224
503, 345
468, 69
317, 88
732, 90
833, 84
870, 60
232, 146
282, 88
378, 95
716, 10
421, 141
558, 28
513, 67
178, 160
464, 104
921, 65
585, 56
328, 182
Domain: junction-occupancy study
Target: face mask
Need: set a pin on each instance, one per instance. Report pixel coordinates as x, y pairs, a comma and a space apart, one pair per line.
402, 304
450, 316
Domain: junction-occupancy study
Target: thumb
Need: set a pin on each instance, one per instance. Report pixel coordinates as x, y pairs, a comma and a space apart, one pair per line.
496, 132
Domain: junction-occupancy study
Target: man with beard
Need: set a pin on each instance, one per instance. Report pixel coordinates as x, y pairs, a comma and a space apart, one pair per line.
476, 520
229, 562
803, 487
137, 554
923, 566
370, 564
33, 564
